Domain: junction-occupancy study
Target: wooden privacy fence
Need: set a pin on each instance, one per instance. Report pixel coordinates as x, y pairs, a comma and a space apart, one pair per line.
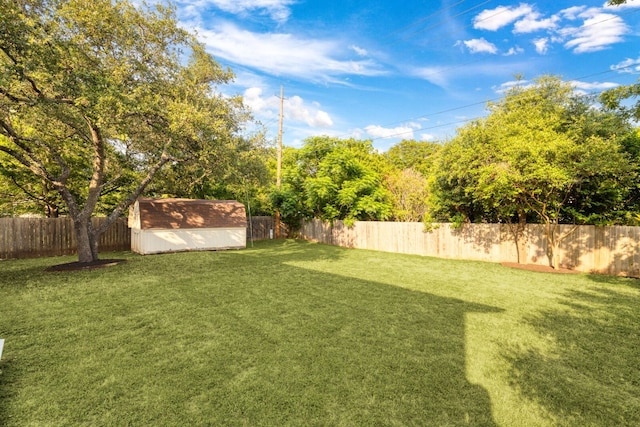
36, 237
611, 250
260, 227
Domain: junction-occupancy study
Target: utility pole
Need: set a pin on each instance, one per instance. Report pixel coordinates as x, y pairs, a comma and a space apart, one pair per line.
279, 163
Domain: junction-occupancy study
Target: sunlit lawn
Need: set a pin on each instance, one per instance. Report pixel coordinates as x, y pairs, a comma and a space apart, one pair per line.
300, 334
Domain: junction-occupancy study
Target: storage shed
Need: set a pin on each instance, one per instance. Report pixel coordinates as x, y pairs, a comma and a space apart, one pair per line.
173, 225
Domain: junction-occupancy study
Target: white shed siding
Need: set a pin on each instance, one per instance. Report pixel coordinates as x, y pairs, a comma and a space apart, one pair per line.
158, 241
175, 225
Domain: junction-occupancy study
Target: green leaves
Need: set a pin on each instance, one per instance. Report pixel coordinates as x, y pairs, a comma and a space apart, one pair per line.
334, 179
536, 153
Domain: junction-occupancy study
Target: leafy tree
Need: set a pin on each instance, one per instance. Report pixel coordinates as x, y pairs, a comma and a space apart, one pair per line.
332, 179
532, 157
98, 99
241, 174
418, 155
409, 194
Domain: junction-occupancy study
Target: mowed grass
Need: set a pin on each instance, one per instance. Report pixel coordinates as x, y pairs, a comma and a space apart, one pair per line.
292, 333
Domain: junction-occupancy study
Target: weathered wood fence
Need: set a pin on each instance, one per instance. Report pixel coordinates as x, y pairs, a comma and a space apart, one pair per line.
36, 237
609, 250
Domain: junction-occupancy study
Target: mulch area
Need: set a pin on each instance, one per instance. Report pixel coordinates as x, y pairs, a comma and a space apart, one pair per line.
540, 268
74, 266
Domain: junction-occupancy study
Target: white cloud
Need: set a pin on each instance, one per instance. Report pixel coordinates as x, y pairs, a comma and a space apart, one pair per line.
405, 131
628, 5
480, 46
628, 66
593, 86
494, 19
284, 54
427, 137
598, 31
532, 23
542, 45
435, 75
358, 50
514, 51
442, 76
278, 10
572, 12
506, 86
295, 109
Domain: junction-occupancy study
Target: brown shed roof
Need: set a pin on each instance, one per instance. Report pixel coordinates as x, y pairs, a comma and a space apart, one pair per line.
190, 213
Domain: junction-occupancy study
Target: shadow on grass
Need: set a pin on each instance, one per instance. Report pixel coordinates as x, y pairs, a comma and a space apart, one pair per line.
293, 346
593, 376
328, 350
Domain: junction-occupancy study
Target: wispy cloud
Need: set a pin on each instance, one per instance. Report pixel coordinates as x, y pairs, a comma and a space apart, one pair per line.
278, 10
358, 50
507, 86
533, 22
579, 86
501, 16
444, 76
285, 54
598, 31
438, 76
628, 66
592, 86
479, 46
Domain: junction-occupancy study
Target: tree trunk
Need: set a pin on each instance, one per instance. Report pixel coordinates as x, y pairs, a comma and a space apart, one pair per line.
86, 239
518, 231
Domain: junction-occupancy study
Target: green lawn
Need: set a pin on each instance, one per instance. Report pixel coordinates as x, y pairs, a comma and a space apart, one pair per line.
299, 334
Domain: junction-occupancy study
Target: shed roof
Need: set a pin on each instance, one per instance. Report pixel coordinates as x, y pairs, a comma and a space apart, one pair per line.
190, 213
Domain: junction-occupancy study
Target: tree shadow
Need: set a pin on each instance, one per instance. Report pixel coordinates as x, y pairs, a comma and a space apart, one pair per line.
592, 377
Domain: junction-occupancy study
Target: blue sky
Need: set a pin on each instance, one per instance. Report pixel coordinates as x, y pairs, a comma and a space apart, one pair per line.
387, 70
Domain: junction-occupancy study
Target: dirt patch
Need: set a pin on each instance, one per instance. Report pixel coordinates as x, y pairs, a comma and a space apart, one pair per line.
73, 266
540, 268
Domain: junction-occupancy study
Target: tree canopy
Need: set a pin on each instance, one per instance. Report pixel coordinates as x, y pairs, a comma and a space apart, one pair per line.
541, 153
333, 179
101, 97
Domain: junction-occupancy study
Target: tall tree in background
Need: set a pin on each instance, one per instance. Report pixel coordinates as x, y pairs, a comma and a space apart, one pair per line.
533, 156
334, 179
88, 92
411, 165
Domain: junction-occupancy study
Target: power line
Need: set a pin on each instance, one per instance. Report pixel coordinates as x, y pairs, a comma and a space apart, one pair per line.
399, 134
482, 59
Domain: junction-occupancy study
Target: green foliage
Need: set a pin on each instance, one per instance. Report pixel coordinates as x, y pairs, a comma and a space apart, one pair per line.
333, 179
539, 154
409, 194
96, 100
416, 155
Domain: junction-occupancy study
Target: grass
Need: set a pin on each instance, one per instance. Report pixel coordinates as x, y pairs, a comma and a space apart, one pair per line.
293, 333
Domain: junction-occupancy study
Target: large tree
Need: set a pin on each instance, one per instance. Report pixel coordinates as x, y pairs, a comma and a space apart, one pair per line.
103, 95
535, 156
333, 179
